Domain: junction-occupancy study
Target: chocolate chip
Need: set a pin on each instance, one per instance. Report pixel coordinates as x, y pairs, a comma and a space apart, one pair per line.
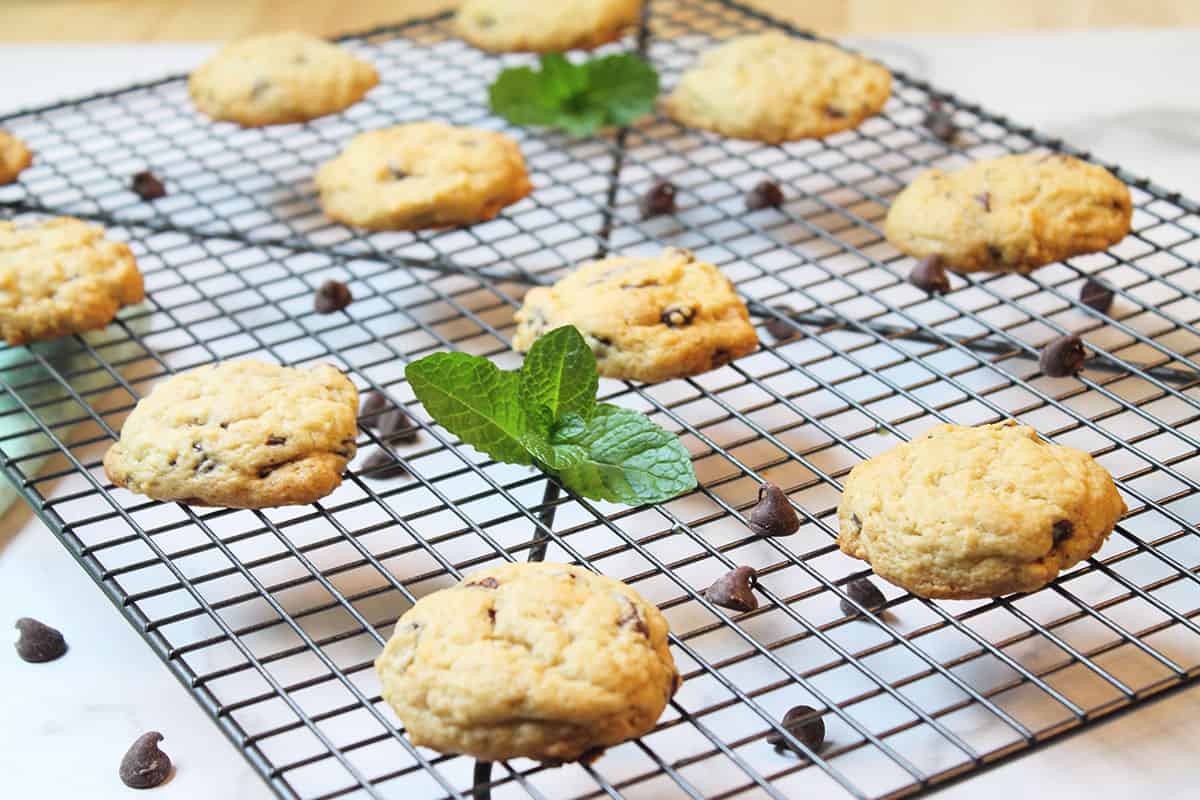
145, 766
382, 464
929, 275
1062, 357
373, 405
265, 471
492, 615
1063, 530
803, 722
396, 173
396, 427
276, 441
1096, 295
484, 583
835, 112
39, 642
855, 521
659, 199
734, 590
781, 329
721, 356
147, 186
940, 123
865, 593
773, 515
766, 194
984, 199
678, 316
259, 88
332, 296
632, 617
995, 254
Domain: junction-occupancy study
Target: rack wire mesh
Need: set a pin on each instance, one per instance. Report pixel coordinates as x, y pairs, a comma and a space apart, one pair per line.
272, 618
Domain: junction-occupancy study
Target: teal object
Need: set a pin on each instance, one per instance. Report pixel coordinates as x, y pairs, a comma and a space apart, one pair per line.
34, 374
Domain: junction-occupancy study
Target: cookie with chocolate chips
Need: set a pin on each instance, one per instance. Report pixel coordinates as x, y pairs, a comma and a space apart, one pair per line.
1010, 214
533, 660
775, 88
510, 26
279, 78
423, 175
647, 318
975, 512
242, 434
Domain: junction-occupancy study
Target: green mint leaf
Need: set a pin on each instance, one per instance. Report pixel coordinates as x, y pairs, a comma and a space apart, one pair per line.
570, 429
628, 459
475, 400
559, 374
578, 98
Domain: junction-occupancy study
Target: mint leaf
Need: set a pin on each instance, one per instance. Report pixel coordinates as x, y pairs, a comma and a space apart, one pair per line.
577, 98
475, 400
628, 458
559, 374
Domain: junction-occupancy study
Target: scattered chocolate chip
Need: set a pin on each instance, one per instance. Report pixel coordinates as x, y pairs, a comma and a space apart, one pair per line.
734, 590
984, 199
382, 464
678, 316
332, 296
396, 427
766, 194
929, 275
148, 187
276, 441
373, 404
484, 583
39, 642
145, 766
865, 593
940, 123
1062, 357
803, 722
1063, 530
1096, 295
773, 515
781, 329
835, 112
659, 199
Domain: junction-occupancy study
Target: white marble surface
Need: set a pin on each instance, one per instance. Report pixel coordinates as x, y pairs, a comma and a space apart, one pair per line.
1128, 96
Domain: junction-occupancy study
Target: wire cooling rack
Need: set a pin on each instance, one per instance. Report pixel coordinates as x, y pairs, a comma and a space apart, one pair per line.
272, 618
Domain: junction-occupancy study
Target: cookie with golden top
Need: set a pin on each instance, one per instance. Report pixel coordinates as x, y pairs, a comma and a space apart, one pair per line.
508, 26
423, 175
975, 512
280, 78
1010, 214
61, 277
648, 318
15, 156
534, 660
241, 434
774, 88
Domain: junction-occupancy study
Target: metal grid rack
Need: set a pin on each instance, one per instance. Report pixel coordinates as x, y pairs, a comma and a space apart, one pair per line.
272, 618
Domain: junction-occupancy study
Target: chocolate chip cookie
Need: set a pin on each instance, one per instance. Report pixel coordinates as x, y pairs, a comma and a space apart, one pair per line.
775, 88
972, 512
278, 78
14, 157
1010, 214
241, 434
646, 318
535, 660
61, 277
423, 175
506, 26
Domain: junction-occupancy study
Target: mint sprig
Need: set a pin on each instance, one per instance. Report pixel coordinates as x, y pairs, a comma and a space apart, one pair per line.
577, 98
546, 414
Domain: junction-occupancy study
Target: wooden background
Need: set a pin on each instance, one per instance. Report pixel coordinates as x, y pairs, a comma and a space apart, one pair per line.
183, 20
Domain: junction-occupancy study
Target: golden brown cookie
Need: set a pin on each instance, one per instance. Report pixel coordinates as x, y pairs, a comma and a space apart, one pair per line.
1014, 213
507, 26
535, 660
776, 88
242, 434
14, 157
646, 318
61, 277
423, 175
970, 512
278, 78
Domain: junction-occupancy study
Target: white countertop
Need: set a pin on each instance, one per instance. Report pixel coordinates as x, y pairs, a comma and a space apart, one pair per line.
1128, 96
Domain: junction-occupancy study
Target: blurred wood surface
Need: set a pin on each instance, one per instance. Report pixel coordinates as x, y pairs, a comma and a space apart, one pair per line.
208, 20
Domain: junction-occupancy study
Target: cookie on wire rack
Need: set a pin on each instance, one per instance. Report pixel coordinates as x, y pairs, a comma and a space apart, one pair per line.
15, 156
510, 26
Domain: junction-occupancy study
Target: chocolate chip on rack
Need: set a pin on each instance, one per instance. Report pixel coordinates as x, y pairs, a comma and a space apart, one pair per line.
145, 766
773, 515
1096, 295
381, 465
39, 642
940, 123
766, 194
659, 199
803, 722
782, 329
929, 275
734, 590
1062, 357
147, 186
866, 594
332, 296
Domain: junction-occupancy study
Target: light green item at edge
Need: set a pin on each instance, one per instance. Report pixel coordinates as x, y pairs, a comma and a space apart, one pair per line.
19, 368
